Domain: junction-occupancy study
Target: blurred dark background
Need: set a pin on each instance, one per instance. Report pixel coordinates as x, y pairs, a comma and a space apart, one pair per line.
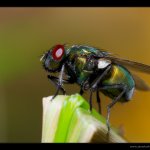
25, 33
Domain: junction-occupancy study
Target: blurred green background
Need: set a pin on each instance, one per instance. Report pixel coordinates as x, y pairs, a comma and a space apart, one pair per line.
25, 33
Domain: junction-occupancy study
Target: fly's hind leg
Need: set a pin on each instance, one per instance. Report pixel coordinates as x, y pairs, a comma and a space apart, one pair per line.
116, 86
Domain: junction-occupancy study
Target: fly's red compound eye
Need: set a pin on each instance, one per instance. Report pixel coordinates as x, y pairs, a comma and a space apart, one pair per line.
58, 52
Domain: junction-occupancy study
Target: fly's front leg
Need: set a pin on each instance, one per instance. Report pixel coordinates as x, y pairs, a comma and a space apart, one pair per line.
60, 82
54, 80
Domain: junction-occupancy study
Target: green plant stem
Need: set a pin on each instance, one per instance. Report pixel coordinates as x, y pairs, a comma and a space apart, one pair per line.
68, 119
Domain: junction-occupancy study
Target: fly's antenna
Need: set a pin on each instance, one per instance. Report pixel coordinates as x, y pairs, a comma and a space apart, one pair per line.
65, 44
41, 57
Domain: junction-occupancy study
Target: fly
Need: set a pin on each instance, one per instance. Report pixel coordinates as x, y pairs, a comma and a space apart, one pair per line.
94, 70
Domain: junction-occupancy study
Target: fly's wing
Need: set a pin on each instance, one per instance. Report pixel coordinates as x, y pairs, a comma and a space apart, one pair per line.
131, 64
140, 84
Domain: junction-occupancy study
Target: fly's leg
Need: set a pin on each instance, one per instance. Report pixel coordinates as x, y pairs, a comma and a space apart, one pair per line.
54, 80
117, 86
81, 91
94, 85
98, 101
90, 100
110, 106
60, 82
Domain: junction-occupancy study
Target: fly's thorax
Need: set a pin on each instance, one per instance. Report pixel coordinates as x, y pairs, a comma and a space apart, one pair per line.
86, 50
83, 64
84, 69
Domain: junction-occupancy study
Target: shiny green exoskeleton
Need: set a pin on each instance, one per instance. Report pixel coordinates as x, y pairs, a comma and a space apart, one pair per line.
94, 70
85, 61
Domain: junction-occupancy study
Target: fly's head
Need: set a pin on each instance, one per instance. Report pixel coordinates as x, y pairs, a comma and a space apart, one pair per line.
52, 59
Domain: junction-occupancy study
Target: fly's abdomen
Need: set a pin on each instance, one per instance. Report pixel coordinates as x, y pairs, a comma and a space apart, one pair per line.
120, 76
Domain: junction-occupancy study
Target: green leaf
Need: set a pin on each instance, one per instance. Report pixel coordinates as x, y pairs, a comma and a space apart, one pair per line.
68, 119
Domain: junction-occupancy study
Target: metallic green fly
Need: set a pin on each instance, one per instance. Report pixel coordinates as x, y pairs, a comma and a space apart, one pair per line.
95, 70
